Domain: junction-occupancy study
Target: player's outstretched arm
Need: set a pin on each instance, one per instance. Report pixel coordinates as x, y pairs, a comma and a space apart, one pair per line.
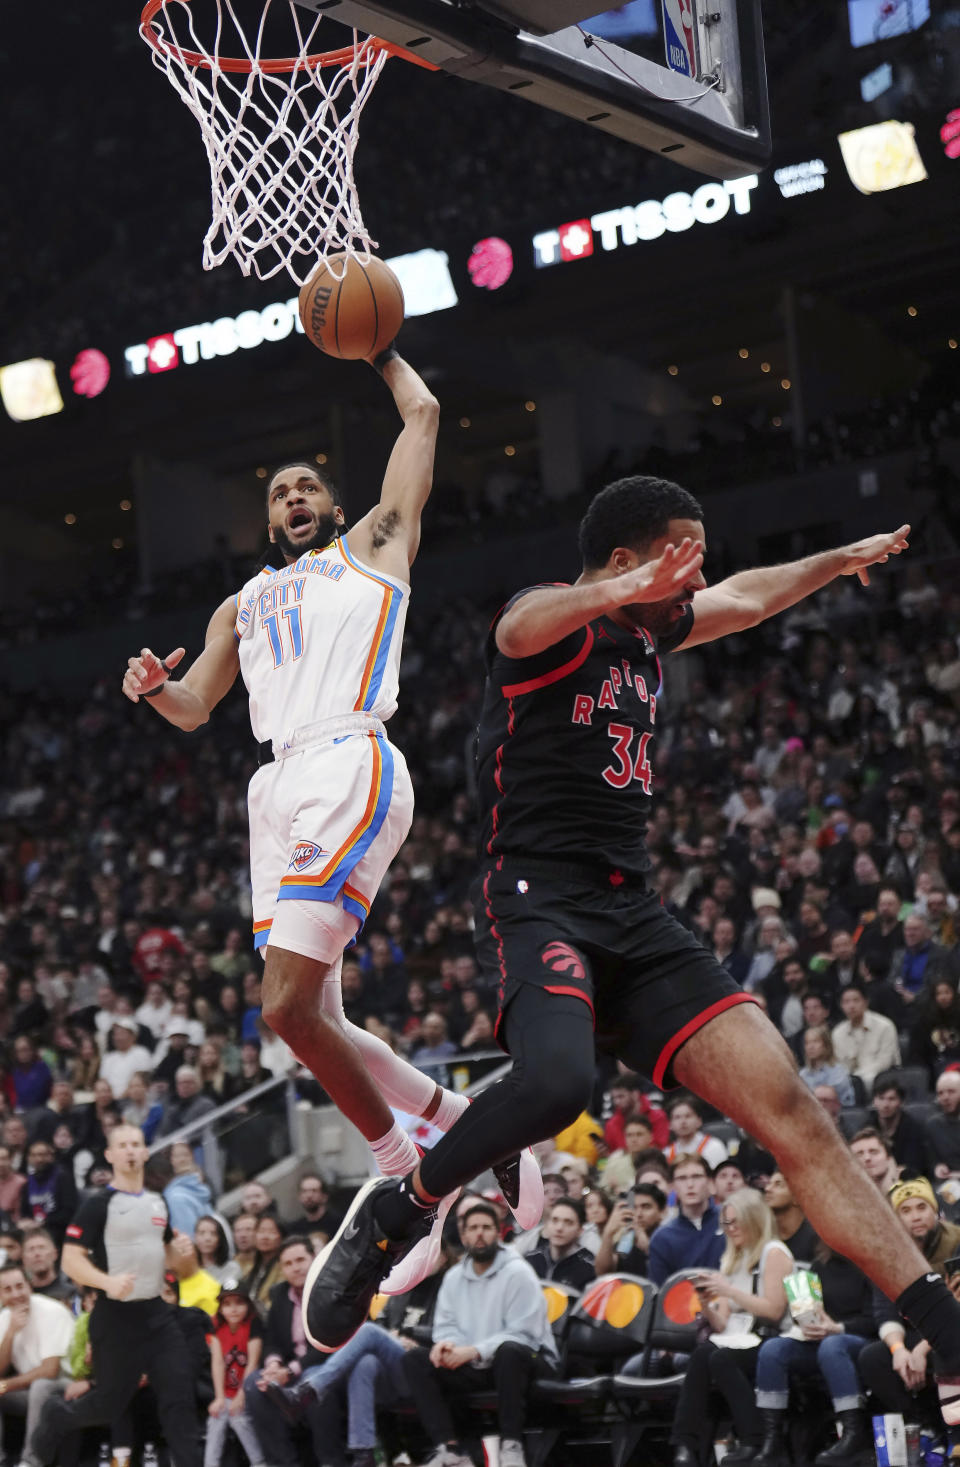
390, 533
548, 614
188, 702
752, 596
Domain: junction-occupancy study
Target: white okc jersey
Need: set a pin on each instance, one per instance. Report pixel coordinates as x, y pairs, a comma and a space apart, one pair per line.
319, 639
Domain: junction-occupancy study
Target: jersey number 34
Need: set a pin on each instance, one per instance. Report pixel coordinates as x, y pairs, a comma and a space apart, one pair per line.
628, 768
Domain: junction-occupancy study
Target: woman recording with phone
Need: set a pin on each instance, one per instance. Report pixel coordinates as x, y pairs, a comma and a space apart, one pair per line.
743, 1302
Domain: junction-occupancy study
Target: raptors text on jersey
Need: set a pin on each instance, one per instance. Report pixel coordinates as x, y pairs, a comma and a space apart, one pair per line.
564, 758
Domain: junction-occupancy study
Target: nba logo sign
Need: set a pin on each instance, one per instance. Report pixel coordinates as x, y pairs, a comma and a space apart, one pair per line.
680, 36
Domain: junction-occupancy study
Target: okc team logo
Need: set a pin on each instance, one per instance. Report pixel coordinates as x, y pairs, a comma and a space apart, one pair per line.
304, 855
560, 958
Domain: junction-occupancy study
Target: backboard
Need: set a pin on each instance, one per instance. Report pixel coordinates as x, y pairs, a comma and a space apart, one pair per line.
682, 78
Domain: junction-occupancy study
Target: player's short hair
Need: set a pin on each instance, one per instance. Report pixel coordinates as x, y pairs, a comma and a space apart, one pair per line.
313, 468
632, 512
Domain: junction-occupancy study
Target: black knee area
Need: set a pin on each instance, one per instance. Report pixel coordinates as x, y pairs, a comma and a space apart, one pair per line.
550, 1038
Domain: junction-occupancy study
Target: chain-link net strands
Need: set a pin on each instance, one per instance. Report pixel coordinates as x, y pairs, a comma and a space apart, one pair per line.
280, 133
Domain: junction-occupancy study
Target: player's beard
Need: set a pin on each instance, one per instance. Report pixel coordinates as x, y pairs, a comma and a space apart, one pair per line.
326, 530
656, 616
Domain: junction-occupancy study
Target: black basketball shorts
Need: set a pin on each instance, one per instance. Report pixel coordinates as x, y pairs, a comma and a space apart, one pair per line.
606, 939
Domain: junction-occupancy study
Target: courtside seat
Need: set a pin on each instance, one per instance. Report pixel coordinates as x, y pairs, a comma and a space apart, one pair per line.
608, 1323
673, 1329
645, 1401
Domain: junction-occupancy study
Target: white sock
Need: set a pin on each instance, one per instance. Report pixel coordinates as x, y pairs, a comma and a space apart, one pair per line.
450, 1109
395, 1154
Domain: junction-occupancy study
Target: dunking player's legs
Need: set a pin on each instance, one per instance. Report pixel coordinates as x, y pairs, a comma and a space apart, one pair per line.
292, 983
398, 1082
550, 1039
740, 1064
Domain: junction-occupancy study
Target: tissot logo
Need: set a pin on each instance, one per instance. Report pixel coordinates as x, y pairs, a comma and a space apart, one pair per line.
639, 222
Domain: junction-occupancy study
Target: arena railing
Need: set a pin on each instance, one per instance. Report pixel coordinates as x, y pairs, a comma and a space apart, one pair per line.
245, 1136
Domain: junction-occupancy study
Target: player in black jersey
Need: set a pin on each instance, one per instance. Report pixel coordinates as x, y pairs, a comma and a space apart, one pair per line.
580, 949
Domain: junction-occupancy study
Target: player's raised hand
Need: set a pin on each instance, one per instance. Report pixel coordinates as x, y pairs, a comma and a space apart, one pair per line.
875, 550
148, 671
658, 579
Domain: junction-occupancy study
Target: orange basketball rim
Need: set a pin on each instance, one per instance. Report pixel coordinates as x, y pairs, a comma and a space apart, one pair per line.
364, 51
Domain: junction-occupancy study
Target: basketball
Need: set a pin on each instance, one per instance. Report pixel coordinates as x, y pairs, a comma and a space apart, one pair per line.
356, 316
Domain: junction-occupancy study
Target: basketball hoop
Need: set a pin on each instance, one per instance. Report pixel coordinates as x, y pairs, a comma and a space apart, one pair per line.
280, 132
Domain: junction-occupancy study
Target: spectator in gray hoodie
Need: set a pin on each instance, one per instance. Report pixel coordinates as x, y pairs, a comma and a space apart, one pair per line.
490, 1331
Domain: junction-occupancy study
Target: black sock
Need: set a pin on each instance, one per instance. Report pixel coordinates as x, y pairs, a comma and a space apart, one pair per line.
399, 1211
930, 1307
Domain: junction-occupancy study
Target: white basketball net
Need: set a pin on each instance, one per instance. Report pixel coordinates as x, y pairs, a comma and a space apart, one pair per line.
280, 144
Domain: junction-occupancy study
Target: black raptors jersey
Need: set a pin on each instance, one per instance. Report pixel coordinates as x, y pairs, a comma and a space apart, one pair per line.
565, 746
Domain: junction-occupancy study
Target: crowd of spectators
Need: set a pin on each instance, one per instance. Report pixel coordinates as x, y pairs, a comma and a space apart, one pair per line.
807, 828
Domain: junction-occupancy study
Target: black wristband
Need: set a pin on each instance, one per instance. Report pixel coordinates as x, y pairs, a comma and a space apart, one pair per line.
388, 354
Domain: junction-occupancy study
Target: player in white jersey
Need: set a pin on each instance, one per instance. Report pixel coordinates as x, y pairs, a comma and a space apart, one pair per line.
318, 645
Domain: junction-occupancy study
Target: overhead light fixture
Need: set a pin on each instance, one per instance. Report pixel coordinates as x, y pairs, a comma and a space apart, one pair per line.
716, 399
743, 353
764, 366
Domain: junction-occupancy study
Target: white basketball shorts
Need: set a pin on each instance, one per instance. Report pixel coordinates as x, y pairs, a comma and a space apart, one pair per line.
327, 818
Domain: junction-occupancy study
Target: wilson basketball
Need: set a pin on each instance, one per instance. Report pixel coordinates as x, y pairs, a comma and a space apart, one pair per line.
353, 317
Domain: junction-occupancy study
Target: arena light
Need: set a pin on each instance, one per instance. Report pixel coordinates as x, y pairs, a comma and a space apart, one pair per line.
90, 372
29, 390
950, 134
882, 157
635, 223
490, 264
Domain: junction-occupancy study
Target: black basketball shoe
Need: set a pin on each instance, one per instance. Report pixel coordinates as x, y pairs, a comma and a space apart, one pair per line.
345, 1276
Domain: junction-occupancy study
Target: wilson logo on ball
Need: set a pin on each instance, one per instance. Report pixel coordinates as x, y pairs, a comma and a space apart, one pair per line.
318, 307
560, 958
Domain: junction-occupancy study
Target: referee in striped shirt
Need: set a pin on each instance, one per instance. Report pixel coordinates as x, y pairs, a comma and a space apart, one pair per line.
121, 1242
